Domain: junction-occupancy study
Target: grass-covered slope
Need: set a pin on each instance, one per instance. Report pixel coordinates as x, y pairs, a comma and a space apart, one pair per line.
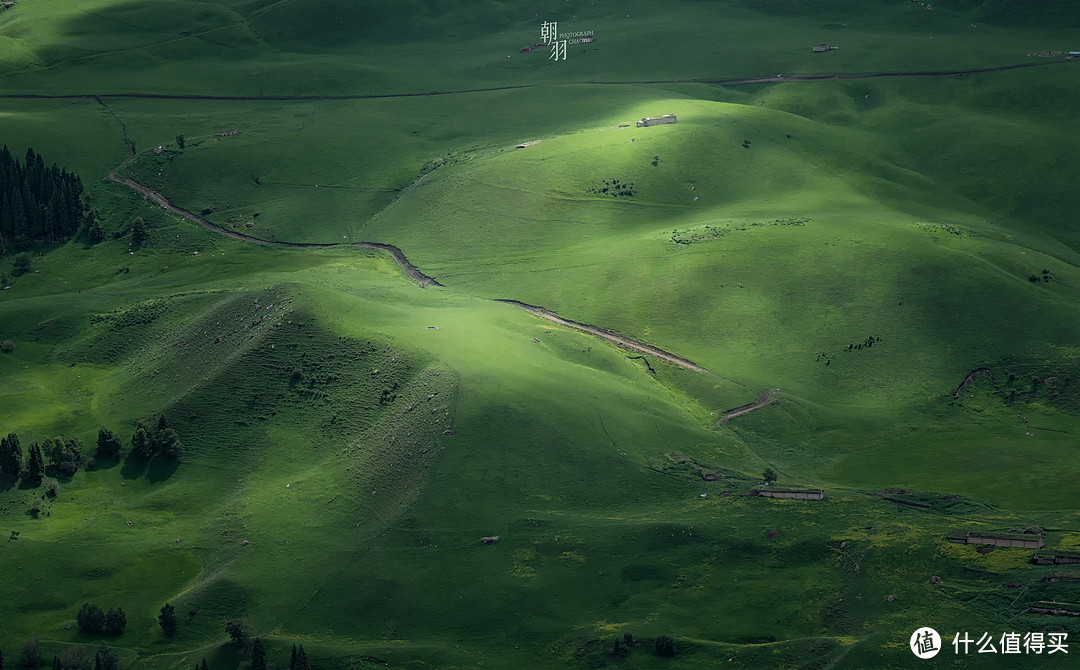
851, 248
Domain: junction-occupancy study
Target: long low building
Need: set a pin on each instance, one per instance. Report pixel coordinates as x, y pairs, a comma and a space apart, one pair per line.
1019, 540
791, 492
656, 120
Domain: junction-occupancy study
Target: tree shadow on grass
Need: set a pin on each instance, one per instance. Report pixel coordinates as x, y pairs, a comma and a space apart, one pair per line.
134, 467
29, 484
102, 464
161, 469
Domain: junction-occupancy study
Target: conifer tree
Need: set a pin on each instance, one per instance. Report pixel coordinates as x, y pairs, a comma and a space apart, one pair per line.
35, 463
258, 655
108, 444
115, 621
167, 619
302, 660
11, 456
141, 445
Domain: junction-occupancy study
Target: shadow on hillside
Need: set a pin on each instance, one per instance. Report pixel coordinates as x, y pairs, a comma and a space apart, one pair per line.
160, 469
102, 464
6, 483
133, 467
29, 485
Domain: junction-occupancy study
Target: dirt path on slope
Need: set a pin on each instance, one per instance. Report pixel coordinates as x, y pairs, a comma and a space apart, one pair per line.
399, 257
616, 338
767, 398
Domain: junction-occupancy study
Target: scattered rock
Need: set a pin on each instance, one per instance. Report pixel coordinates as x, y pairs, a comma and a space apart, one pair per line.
843, 545
492, 539
936, 579
984, 550
772, 534
891, 598
244, 543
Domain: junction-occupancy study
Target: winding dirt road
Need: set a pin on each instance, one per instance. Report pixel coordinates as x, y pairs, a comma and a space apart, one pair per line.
160, 199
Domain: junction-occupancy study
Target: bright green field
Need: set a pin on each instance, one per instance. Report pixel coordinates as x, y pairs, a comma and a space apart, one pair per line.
350, 436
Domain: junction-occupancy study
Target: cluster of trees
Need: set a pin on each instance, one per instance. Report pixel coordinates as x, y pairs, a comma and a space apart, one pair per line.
39, 203
75, 658
66, 454
106, 658
92, 619
865, 344
662, 646
150, 439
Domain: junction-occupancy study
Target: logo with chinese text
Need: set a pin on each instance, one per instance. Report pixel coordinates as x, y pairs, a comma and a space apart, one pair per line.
925, 643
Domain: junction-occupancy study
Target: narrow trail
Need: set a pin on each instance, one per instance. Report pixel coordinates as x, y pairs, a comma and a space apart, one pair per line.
422, 279
378, 96
767, 398
399, 257
617, 339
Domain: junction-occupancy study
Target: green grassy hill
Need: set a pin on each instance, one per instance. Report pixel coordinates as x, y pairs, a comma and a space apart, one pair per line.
853, 246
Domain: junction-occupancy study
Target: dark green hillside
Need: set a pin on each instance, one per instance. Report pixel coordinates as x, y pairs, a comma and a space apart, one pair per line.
471, 371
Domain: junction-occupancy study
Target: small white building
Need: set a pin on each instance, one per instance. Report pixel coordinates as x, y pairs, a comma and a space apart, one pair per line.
656, 120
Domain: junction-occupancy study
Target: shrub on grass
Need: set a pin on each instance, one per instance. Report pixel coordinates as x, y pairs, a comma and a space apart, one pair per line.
240, 631
75, 658
769, 475
138, 231
31, 656
22, 264
664, 646
66, 455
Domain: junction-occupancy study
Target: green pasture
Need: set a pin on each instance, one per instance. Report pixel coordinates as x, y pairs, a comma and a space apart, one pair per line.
855, 247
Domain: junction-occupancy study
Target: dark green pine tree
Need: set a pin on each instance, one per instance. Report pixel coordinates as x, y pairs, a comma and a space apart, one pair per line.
292, 658
35, 463
1, 660
167, 619
11, 456
204, 665
108, 444
141, 443
301, 660
115, 621
258, 655
56, 663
